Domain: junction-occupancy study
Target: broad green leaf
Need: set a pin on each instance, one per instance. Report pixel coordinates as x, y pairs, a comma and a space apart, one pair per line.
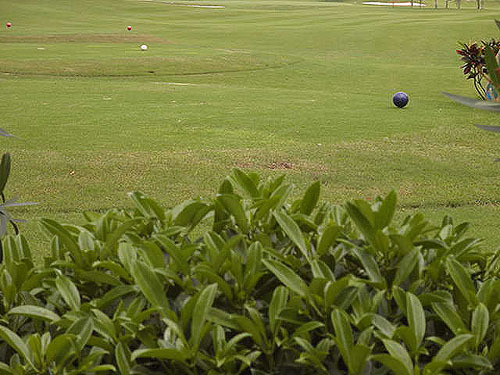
249, 326
327, 238
5, 369
16, 343
307, 327
69, 292
160, 353
200, 313
343, 334
471, 361
102, 368
222, 318
82, 329
4, 170
406, 266
370, 266
245, 183
492, 66
462, 280
310, 199
233, 205
385, 213
150, 285
392, 363
480, 323
292, 230
398, 352
416, 319
190, 213
362, 222
146, 206
104, 325
450, 317
383, 325
453, 347
112, 239
35, 312
114, 294
359, 359
287, 276
278, 303
65, 238
60, 348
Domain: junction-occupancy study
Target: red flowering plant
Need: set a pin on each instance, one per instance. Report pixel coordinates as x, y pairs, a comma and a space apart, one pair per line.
473, 56
482, 63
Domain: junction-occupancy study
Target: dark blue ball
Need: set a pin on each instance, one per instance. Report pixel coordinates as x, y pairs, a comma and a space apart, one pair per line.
400, 99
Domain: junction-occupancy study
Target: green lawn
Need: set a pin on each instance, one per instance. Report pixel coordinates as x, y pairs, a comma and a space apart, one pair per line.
296, 87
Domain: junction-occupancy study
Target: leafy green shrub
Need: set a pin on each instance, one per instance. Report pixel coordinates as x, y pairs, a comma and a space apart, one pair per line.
270, 287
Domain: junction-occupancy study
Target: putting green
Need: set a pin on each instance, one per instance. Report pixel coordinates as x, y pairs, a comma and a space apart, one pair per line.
115, 55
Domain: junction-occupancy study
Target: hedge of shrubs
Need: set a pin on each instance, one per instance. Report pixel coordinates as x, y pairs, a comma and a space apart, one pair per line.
249, 282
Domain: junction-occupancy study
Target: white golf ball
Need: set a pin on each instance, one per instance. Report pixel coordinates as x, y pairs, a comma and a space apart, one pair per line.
144, 47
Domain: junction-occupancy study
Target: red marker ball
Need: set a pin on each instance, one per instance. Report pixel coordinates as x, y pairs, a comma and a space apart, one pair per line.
8, 24
129, 28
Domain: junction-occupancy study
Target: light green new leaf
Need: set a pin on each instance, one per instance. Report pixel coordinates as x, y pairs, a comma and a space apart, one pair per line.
287, 276
200, 313
16, 343
35, 312
292, 230
69, 292
310, 199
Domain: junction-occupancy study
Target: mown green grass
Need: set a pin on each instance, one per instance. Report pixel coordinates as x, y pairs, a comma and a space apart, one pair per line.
296, 87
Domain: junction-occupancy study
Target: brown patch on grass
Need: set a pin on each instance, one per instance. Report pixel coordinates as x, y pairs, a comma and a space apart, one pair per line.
82, 38
281, 165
